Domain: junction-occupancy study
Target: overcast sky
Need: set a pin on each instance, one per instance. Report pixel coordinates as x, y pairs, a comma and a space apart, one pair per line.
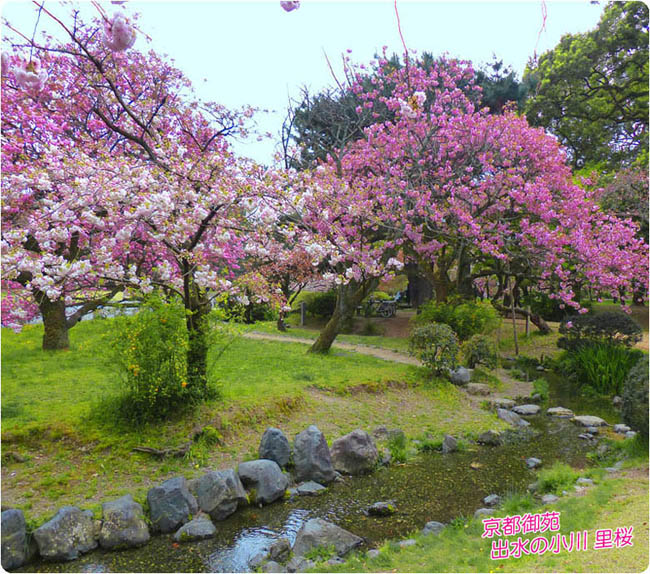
256, 53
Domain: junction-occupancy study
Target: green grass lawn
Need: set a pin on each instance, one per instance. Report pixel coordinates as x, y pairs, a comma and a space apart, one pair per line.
613, 503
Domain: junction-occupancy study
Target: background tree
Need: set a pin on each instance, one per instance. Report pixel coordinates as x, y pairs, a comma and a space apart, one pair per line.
591, 90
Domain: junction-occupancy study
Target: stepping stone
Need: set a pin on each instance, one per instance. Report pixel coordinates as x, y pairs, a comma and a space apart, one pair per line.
484, 512
310, 488
589, 421
621, 429
630, 434
384, 508
533, 462
549, 499
433, 527
527, 410
502, 403
585, 436
559, 412
593, 430
408, 542
478, 389
584, 481
492, 500
512, 418
373, 553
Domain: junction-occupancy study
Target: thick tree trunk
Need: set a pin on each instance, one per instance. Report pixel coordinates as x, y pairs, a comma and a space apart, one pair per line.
464, 283
55, 333
419, 287
348, 298
441, 285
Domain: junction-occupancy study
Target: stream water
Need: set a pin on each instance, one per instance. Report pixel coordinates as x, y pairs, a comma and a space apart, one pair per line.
430, 486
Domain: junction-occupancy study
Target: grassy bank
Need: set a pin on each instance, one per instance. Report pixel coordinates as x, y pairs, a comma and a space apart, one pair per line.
612, 503
62, 443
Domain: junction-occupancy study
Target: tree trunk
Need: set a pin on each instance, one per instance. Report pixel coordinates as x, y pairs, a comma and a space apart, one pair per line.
419, 287
535, 319
197, 307
464, 283
441, 285
55, 334
348, 298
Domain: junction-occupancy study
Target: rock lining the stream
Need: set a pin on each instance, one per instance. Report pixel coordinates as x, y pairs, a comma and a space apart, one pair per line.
433, 527
317, 532
70, 533
266, 477
219, 493
512, 418
560, 412
14, 539
526, 410
196, 529
449, 444
354, 453
170, 505
589, 421
274, 445
311, 457
123, 524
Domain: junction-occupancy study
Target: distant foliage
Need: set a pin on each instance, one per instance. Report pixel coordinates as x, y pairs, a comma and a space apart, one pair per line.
150, 351
479, 350
635, 398
465, 319
610, 327
549, 309
321, 304
436, 345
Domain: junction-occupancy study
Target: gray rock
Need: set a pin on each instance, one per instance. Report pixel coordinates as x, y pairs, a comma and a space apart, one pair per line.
258, 559
310, 488
386, 457
584, 481
273, 566
318, 532
355, 453
433, 527
559, 412
406, 543
335, 560
484, 512
14, 539
585, 436
123, 524
373, 553
449, 444
621, 428
478, 389
512, 418
489, 438
492, 500
266, 477
589, 421
617, 401
460, 376
311, 457
549, 499
502, 403
383, 508
280, 549
630, 434
533, 487
540, 368
69, 534
219, 493
612, 469
536, 397
533, 462
526, 410
592, 430
380, 432
196, 529
275, 446
299, 564
170, 505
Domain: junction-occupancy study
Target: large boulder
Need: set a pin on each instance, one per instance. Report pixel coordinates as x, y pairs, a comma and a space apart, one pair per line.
512, 418
449, 444
311, 457
355, 453
460, 376
275, 446
196, 529
589, 421
14, 539
527, 410
318, 532
219, 493
170, 505
266, 477
69, 534
123, 524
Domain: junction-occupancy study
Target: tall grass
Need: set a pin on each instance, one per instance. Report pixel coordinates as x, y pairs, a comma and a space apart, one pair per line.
603, 366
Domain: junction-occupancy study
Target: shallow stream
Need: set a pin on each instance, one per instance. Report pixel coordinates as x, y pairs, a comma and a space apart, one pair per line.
430, 486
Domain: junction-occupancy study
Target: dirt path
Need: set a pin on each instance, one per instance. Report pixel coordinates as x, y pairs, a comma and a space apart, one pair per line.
385, 354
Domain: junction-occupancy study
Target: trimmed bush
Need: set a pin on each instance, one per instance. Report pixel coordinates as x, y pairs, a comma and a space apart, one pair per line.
635, 398
610, 327
479, 350
465, 319
436, 345
321, 304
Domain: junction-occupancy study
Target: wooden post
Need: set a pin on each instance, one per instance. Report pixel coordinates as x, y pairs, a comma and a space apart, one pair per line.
514, 322
528, 321
302, 313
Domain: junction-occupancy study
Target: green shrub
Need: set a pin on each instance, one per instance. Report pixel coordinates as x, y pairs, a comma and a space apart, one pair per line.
635, 398
479, 350
436, 345
604, 367
150, 354
321, 304
465, 319
540, 386
397, 446
549, 309
556, 478
610, 327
